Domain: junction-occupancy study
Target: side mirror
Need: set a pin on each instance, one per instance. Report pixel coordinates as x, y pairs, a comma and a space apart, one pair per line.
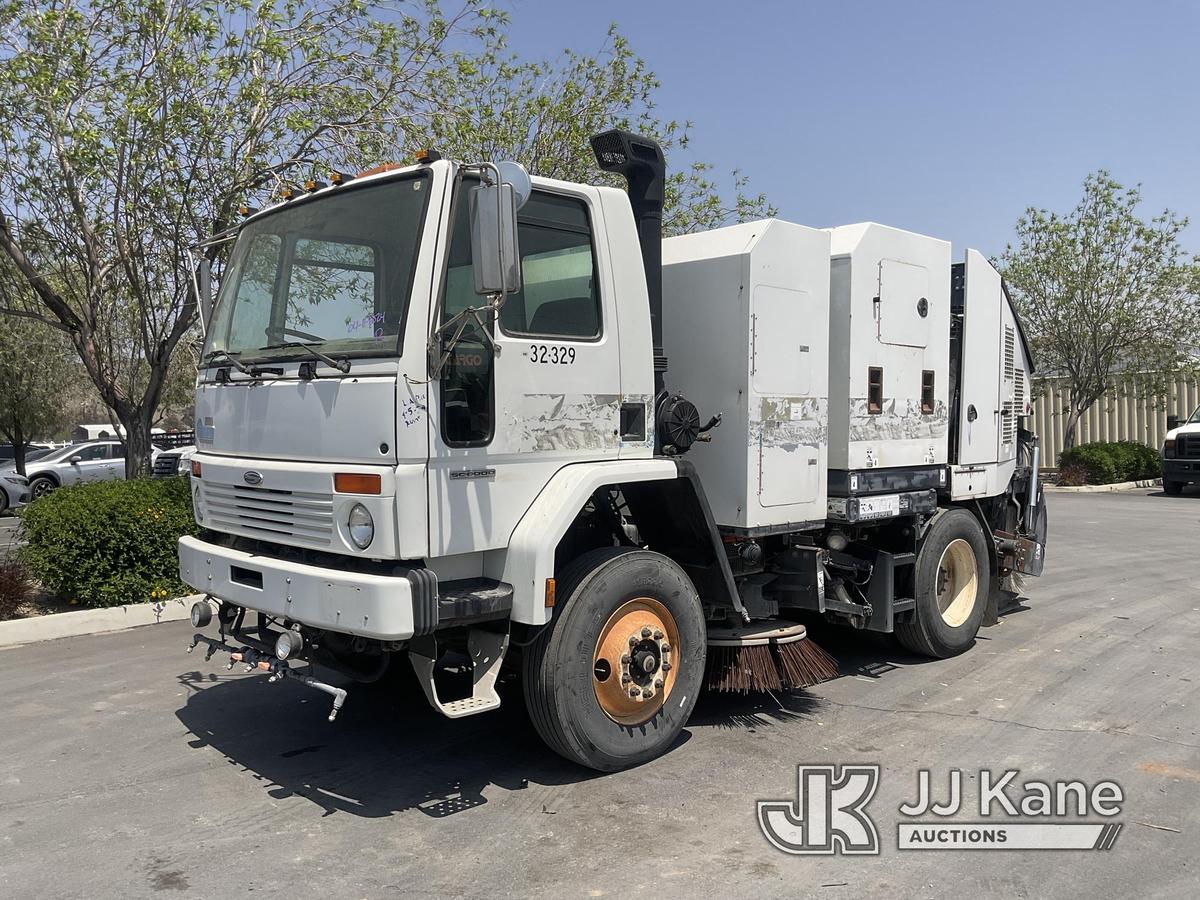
1172, 422
495, 253
204, 293
75, 460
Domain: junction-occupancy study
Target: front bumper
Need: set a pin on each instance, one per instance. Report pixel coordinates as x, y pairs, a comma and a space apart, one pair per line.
1181, 469
373, 606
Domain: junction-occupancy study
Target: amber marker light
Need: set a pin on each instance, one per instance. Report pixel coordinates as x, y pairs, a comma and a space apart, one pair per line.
356, 483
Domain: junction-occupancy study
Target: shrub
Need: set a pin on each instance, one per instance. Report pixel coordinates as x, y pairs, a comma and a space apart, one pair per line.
1107, 463
15, 587
111, 542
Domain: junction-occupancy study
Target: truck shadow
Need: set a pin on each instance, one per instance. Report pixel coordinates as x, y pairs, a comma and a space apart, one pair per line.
389, 752
385, 755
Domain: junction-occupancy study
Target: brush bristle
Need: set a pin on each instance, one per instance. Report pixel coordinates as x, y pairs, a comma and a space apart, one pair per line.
804, 664
768, 667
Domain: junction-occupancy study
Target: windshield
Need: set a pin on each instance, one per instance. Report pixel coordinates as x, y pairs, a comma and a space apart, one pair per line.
1194, 419
335, 272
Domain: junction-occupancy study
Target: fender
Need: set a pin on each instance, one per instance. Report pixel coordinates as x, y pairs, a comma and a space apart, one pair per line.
529, 558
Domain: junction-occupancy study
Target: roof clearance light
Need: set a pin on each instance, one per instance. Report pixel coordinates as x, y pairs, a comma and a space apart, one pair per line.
356, 483
425, 156
247, 211
314, 185
287, 193
336, 177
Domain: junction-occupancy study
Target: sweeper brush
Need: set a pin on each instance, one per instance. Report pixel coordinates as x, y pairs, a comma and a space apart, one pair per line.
765, 657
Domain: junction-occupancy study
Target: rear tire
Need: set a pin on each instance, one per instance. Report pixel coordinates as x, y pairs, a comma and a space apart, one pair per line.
574, 671
953, 578
1172, 488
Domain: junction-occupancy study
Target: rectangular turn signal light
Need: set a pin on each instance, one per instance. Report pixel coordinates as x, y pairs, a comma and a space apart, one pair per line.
195, 468
356, 483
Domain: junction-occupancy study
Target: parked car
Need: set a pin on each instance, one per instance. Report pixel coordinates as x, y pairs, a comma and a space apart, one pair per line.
76, 464
177, 461
14, 491
1181, 453
8, 452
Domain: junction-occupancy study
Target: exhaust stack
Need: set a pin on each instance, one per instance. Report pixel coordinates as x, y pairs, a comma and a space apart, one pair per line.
640, 160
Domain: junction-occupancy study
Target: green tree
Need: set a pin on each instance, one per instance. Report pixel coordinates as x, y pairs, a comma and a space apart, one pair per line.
541, 113
1106, 295
36, 369
130, 130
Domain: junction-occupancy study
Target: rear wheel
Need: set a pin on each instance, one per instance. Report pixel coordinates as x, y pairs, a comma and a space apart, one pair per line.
612, 679
1172, 488
953, 578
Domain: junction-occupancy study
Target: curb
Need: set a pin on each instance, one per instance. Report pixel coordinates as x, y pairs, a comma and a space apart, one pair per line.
1105, 488
77, 623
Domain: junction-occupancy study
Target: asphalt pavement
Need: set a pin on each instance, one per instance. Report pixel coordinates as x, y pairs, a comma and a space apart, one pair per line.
128, 768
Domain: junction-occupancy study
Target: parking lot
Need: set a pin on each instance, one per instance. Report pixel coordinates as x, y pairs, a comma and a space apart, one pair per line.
129, 768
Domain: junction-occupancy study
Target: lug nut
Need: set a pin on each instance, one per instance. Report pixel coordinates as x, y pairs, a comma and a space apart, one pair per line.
664, 648
635, 692
658, 635
647, 694
624, 659
658, 683
633, 639
666, 666
646, 632
625, 679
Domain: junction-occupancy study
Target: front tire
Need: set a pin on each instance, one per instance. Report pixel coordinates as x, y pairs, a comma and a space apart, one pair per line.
1172, 488
40, 486
613, 678
953, 578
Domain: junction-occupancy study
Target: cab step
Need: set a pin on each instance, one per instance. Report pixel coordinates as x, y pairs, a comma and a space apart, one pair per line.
486, 649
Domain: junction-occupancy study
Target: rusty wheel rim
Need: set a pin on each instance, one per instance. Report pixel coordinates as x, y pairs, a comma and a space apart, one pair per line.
634, 666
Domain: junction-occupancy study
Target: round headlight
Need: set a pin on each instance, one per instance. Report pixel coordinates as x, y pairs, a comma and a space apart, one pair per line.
361, 525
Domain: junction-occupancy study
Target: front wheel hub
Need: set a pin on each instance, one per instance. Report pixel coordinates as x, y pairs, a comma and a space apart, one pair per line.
632, 670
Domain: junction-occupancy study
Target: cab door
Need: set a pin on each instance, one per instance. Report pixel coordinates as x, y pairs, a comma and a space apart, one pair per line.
530, 390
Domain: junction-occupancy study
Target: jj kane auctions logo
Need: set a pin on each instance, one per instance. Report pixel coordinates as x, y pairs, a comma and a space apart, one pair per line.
829, 814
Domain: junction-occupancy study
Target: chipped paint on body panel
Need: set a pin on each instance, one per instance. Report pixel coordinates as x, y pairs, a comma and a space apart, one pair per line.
790, 423
900, 420
577, 422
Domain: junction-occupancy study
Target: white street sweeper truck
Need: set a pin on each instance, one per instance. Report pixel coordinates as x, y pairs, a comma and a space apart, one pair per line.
454, 418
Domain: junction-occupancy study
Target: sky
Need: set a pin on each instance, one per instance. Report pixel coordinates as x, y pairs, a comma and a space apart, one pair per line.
948, 119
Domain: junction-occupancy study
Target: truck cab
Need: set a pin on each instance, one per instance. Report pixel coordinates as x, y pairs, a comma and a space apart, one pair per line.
1181, 454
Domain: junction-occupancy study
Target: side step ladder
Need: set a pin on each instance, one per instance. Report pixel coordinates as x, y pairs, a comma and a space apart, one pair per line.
486, 649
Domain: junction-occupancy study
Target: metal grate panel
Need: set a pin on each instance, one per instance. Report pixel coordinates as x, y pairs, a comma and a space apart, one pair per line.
270, 514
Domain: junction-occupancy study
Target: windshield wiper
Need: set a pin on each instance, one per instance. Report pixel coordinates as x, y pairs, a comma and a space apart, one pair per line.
342, 365
237, 363
252, 371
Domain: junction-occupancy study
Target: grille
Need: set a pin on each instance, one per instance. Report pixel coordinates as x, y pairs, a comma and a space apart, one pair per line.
166, 464
1019, 392
1187, 446
295, 517
1010, 351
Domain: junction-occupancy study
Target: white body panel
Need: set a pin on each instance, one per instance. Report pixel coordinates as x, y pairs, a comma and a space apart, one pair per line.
528, 560
745, 325
994, 381
879, 277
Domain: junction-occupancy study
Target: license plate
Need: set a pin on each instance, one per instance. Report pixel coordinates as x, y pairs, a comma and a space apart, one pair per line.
878, 507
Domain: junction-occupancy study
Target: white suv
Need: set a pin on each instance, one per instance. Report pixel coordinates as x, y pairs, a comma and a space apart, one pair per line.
76, 464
